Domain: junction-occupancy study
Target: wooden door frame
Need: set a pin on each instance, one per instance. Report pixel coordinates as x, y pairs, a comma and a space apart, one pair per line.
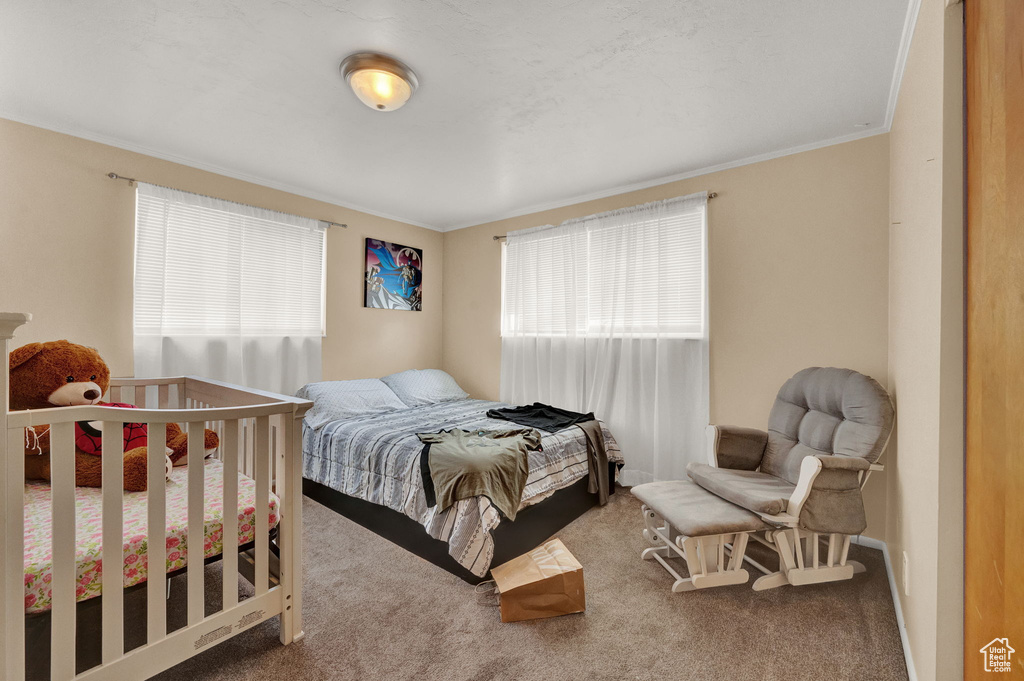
994, 463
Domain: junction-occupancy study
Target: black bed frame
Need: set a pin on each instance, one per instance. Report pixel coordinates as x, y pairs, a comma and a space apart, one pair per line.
532, 525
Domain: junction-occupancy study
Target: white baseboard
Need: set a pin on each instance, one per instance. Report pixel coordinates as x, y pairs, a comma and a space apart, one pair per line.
880, 545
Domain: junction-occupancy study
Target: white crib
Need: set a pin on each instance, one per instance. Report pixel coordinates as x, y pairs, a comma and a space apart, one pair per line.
260, 437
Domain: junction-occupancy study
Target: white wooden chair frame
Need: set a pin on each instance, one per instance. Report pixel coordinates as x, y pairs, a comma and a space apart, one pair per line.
705, 556
801, 560
260, 436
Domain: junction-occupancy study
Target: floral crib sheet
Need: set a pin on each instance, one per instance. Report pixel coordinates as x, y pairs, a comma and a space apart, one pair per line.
89, 525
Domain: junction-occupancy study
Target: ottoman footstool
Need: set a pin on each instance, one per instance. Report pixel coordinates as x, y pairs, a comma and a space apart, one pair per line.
686, 521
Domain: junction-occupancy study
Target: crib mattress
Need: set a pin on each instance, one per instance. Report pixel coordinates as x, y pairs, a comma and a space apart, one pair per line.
89, 525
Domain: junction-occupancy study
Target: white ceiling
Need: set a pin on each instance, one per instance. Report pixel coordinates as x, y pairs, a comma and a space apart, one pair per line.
522, 104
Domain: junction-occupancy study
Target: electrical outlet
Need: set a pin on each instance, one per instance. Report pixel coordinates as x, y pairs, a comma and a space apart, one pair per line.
906, 574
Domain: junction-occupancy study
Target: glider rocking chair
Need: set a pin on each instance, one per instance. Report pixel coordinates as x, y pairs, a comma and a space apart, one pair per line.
796, 488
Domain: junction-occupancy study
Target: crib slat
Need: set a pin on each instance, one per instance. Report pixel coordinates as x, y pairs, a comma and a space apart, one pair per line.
63, 580
196, 512
249, 445
163, 397
279, 430
113, 541
294, 492
290, 533
156, 535
276, 464
12, 604
229, 456
262, 503
243, 462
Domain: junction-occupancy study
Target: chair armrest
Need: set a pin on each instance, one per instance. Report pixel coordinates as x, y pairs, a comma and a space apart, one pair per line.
827, 497
812, 466
845, 463
736, 448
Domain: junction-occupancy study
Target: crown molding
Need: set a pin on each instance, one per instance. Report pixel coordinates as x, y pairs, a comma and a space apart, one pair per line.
646, 184
535, 208
909, 23
74, 131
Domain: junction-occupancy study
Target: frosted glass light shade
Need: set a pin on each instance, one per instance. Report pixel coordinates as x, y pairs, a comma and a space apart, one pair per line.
379, 89
380, 82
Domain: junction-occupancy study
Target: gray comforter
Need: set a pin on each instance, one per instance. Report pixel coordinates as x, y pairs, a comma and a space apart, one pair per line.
376, 458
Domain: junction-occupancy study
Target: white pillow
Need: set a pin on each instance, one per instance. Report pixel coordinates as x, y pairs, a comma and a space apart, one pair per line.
417, 387
335, 400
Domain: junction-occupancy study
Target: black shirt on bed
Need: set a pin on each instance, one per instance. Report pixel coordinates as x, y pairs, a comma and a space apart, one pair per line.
541, 416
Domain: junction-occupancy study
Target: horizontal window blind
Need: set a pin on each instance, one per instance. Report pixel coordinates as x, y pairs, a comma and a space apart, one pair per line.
542, 279
637, 271
204, 266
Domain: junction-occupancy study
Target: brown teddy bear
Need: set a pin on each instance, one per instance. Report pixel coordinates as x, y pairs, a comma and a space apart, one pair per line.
59, 373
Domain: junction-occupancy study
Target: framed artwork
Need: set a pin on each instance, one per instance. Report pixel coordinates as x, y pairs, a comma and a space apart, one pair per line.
393, 277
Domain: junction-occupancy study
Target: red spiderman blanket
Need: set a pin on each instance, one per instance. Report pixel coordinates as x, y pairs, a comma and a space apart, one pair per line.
89, 439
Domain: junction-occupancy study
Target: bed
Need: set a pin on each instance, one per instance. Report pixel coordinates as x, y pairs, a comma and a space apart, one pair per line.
366, 466
244, 503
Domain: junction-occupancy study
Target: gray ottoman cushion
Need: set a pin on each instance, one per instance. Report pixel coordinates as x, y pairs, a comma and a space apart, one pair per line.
695, 512
754, 491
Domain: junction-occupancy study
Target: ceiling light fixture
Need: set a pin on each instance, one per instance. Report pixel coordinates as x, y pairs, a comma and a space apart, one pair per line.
379, 81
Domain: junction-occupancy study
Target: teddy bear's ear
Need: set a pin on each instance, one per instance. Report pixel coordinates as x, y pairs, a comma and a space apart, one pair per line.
24, 354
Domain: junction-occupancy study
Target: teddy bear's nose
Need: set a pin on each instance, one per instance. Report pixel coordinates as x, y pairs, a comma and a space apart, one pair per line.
91, 394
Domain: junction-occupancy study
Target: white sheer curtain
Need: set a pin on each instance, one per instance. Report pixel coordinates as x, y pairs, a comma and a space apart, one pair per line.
226, 291
608, 313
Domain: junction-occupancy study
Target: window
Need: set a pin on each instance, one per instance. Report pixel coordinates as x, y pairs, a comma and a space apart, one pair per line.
227, 291
632, 272
205, 266
606, 314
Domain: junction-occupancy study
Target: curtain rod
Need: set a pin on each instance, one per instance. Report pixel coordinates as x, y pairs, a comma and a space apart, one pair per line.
711, 195
131, 183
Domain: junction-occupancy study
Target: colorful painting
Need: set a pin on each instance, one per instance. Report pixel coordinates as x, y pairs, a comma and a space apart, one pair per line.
393, 276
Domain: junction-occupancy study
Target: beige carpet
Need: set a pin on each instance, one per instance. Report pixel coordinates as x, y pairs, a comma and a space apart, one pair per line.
374, 611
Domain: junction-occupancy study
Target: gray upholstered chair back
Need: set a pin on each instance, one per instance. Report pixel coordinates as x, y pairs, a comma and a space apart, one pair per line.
826, 411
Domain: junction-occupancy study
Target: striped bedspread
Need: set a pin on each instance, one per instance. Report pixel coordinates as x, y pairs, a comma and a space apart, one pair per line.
376, 458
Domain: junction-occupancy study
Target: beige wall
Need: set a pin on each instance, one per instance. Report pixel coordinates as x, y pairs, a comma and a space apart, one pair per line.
925, 520
798, 251
67, 239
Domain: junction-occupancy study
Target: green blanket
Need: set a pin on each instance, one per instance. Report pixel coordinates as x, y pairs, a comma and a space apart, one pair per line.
460, 464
